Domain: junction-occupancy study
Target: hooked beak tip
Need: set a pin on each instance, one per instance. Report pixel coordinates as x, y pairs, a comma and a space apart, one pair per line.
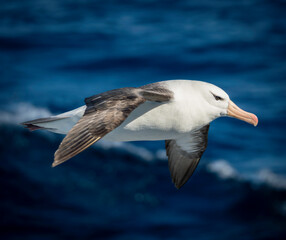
255, 119
236, 112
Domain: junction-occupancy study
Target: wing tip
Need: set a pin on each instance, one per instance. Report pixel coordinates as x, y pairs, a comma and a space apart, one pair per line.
61, 155
178, 185
58, 159
54, 164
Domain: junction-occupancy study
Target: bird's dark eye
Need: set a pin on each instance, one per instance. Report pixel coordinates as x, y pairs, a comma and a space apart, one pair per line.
218, 98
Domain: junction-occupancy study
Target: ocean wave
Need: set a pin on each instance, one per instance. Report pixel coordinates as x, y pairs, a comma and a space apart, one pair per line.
223, 169
140, 152
264, 177
20, 112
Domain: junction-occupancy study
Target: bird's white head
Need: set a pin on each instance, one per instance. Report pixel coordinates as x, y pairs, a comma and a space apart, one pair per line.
219, 103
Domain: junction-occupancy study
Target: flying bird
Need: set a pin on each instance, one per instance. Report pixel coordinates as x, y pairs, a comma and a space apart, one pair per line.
177, 111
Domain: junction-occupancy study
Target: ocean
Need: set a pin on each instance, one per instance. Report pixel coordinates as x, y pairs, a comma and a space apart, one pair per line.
53, 54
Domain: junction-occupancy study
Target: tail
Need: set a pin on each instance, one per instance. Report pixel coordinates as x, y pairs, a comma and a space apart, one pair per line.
61, 123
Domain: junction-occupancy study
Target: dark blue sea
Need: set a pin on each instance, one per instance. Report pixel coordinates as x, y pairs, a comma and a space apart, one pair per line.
55, 53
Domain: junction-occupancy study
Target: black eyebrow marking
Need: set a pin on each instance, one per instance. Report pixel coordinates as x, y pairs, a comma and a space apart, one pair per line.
218, 98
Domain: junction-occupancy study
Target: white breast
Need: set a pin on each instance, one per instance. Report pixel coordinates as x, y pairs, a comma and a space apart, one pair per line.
160, 121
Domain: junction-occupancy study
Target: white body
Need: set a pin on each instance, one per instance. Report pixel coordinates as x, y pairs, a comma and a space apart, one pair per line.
155, 121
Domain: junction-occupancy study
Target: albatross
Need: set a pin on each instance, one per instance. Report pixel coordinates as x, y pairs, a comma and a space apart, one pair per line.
177, 111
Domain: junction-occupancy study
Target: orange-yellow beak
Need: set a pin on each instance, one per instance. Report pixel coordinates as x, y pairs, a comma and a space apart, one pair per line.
236, 112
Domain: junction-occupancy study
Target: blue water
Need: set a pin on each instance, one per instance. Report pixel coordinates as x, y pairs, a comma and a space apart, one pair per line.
54, 53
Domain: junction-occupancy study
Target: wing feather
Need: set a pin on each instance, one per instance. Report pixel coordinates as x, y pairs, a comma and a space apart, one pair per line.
78, 139
105, 112
185, 153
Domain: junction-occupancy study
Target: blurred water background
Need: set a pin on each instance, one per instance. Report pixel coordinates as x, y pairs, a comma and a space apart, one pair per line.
55, 53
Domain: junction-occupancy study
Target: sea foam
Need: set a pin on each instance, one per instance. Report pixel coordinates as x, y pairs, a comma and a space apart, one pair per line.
20, 112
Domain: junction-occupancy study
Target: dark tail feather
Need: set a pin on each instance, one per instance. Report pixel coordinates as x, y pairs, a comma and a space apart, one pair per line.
32, 125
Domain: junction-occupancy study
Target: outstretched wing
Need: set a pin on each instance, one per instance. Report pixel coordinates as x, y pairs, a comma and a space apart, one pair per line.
104, 113
185, 153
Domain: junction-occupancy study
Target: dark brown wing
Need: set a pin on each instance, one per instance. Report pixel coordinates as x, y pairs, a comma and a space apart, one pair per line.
185, 153
104, 113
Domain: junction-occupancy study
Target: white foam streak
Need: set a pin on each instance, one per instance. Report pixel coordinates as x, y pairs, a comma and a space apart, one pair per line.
161, 155
21, 112
223, 169
140, 152
272, 179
